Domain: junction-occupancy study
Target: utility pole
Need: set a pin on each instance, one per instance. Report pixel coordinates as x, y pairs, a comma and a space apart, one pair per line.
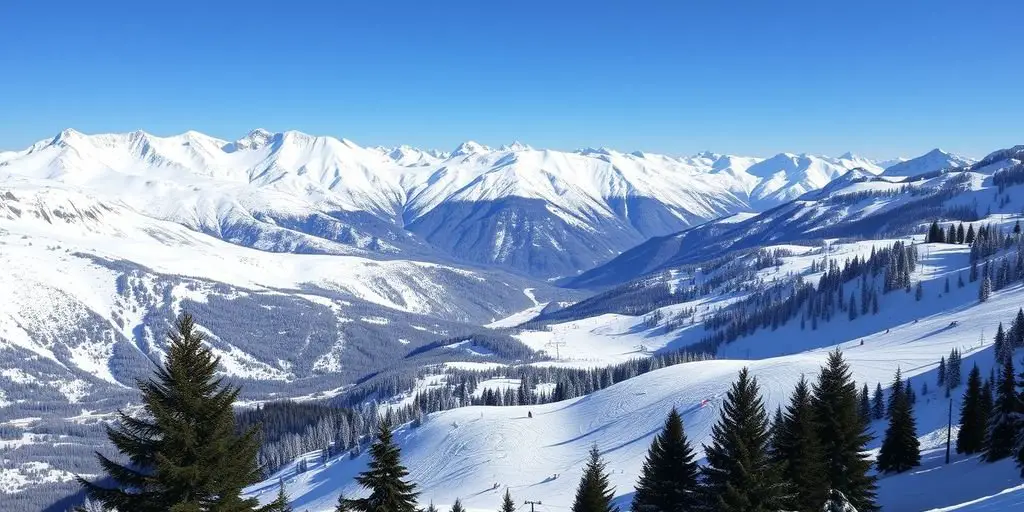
949, 429
556, 344
531, 504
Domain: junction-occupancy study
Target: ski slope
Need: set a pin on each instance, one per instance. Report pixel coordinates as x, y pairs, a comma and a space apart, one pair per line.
462, 453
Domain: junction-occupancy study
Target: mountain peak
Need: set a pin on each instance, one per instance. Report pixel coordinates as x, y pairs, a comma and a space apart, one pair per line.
516, 146
255, 139
468, 148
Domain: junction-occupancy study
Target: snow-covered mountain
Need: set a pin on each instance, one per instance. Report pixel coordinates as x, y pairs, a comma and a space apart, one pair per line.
540, 212
934, 160
856, 204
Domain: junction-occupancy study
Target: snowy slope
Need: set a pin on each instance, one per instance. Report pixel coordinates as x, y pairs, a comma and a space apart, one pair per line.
934, 160
462, 453
543, 212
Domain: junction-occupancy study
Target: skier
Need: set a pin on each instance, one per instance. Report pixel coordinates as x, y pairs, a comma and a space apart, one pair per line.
529, 414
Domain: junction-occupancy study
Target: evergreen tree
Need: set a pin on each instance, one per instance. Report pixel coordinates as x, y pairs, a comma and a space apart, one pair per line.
1002, 349
969, 237
942, 372
668, 480
919, 292
740, 474
971, 436
798, 452
507, 505
843, 436
985, 290
385, 478
280, 503
1002, 429
900, 447
456, 507
183, 450
594, 493
431, 508
865, 404
878, 403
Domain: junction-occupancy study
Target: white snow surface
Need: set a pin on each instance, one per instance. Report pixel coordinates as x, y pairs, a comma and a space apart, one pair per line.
462, 453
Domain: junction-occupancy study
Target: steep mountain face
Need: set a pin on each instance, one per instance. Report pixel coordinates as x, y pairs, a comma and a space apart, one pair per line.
934, 160
538, 212
856, 204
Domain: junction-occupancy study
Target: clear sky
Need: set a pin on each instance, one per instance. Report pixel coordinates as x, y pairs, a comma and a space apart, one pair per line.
879, 78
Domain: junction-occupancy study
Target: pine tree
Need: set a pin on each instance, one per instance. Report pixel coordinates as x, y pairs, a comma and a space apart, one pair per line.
594, 493
971, 436
183, 450
798, 452
919, 292
740, 474
985, 290
1001, 430
280, 503
843, 436
1000, 345
878, 403
668, 480
385, 478
507, 505
865, 404
456, 507
942, 371
900, 447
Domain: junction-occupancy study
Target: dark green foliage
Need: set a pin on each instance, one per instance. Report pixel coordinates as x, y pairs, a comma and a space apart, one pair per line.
865, 404
456, 507
668, 480
1001, 433
183, 452
385, 478
342, 505
971, 436
740, 474
900, 448
507, 505
878, 403
843, 435
280, 503
799, 453
594, 493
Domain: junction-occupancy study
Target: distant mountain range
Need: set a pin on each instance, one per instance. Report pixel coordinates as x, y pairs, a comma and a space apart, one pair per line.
543, 213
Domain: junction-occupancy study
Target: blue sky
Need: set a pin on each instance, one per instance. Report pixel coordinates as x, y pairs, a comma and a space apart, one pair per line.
878, 78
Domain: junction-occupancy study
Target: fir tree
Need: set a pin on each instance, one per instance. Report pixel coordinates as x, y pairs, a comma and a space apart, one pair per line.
919, 292
837, 503
843, 435
740, 474
385, 478
594, 493
280, 503
183, 450
668, 480
900, 447
798, 452
456, 507
942, 371
985, 290
971, 436
865, 404
1002, 429
1002, 349
507, 505
878, 403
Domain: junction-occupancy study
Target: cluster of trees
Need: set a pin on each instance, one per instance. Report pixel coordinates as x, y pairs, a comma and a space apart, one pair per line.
954, 235
992, 411
811, 457
776, 306
291, 429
